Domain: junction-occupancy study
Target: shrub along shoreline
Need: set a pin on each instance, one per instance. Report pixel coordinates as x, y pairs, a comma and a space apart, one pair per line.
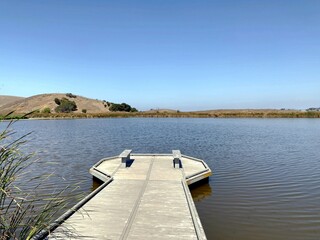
171, 114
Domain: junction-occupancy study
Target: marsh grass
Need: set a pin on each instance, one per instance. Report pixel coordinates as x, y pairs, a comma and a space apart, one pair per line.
24, 214
178, 114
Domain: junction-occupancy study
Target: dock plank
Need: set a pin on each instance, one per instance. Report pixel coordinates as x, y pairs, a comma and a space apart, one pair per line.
165, 216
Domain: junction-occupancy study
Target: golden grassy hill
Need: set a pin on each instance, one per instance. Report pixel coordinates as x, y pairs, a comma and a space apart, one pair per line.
42, 101
4, 99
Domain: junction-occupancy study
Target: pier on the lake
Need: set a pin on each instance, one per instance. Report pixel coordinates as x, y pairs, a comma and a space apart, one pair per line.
144, 196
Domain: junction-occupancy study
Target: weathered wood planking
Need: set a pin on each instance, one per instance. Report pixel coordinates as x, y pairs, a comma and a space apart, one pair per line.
148, 200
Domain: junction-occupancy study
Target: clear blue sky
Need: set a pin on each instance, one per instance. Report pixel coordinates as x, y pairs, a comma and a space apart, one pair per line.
184, 55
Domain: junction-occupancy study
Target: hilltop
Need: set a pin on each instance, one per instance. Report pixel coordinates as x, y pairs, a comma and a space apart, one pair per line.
40, 102
4, 99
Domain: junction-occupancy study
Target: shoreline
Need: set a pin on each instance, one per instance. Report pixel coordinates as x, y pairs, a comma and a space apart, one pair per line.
209, 114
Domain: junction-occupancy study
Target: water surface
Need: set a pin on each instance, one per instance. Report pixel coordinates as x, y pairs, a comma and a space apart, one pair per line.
266, 182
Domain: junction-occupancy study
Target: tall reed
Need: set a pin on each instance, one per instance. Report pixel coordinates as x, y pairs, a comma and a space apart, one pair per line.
21, 216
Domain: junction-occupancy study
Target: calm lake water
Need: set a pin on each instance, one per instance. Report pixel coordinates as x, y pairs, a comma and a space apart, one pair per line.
266, 182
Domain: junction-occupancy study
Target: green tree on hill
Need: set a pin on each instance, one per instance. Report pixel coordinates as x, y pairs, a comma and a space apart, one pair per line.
57, 101
70, 95
123, 107
65, 106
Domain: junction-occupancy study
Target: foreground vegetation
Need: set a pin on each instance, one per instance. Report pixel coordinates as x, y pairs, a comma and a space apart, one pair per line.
20, 214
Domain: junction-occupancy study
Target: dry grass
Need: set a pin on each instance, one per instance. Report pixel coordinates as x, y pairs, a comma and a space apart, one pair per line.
42, 101
172, 114
4, 100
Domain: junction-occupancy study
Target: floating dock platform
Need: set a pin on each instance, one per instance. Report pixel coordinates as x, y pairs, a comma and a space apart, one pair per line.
143, 196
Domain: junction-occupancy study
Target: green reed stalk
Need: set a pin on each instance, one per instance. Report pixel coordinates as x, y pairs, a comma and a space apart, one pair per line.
20, 217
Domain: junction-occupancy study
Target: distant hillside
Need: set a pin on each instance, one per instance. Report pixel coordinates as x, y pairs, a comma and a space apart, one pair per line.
242, 111
8, 99
161, 111
42, 101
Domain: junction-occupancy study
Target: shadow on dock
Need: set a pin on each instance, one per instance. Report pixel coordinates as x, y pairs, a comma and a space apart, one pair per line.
199, 190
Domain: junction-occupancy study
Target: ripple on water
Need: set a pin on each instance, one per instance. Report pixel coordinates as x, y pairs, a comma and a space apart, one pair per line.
266, 182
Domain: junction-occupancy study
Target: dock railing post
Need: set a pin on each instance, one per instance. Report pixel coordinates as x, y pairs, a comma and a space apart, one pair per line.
176, 158
125, 156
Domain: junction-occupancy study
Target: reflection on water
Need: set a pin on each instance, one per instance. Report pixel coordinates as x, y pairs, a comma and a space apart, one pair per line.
266, 177
96, 183
200, 192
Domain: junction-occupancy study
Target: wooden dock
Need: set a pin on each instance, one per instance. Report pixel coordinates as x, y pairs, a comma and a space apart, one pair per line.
144, 196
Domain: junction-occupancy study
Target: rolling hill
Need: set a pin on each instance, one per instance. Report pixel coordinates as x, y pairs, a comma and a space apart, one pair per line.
4, 100
42, 101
